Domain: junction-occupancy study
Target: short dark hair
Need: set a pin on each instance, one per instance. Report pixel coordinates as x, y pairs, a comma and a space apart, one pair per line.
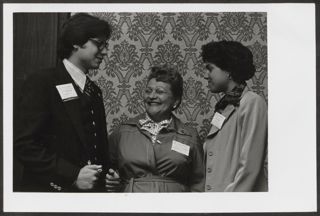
78, 29
232, 57
170, 75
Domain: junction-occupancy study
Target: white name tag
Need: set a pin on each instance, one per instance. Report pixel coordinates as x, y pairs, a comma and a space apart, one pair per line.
67, 92
180, 147
218, 120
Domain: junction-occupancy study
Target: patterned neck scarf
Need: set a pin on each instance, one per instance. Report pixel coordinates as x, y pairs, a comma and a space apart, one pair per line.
153, 127
233, 97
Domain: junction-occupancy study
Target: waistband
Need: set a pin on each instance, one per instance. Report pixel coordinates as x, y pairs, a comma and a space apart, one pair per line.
155, 183
151, 179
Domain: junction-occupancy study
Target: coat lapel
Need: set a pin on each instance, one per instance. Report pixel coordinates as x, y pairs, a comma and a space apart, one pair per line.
226, 113
72, 107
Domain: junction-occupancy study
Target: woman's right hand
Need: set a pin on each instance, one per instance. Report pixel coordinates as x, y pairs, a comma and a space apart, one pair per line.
113, 181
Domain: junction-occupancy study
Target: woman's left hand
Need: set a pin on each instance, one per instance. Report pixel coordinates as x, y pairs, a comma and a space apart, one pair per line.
113, 181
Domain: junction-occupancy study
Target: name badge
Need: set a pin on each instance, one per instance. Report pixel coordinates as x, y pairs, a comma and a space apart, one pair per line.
218, 120
180, 147
67, 92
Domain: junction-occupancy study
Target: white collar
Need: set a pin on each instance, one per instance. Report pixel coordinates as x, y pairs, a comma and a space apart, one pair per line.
77, 75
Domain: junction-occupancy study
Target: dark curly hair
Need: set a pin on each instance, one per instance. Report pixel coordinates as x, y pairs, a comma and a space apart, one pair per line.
230, 56
170, 75
78, 29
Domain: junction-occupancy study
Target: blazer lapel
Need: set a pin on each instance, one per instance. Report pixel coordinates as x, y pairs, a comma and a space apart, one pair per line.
73, 107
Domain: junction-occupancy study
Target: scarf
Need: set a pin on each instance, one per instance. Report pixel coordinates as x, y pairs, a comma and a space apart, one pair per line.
153, 127
233, 97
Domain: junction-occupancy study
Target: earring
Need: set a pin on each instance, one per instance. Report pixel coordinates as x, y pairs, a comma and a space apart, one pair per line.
76, 47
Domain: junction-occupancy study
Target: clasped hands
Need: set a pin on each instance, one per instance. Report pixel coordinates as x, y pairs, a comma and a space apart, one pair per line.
89, 175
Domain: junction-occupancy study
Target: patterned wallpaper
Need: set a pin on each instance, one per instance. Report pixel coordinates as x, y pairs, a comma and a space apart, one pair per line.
141, 40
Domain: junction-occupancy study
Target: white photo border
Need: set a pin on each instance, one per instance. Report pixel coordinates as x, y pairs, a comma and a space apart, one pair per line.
291, 110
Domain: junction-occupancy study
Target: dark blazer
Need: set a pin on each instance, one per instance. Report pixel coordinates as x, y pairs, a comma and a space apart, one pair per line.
50, 139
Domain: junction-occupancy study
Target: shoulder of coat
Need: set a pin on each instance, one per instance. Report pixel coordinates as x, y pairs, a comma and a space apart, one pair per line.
251, 99
183, 128
251, 96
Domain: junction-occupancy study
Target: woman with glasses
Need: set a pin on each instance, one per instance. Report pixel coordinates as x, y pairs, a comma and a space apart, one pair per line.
155, 151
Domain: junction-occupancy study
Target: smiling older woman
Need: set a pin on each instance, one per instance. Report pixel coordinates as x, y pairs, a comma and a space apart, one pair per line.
155, 151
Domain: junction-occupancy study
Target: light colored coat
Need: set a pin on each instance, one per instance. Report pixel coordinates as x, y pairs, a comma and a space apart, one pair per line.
236, 155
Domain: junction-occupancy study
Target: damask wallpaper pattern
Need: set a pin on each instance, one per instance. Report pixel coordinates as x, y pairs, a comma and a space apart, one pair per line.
141, 40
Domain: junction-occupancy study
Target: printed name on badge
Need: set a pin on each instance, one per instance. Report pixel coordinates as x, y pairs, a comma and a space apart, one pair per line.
67, 92
218, 120
180, 147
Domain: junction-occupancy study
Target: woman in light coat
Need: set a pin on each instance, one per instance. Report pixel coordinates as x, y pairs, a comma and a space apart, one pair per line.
236, 145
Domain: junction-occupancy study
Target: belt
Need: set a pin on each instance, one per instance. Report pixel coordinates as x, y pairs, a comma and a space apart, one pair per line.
132, 181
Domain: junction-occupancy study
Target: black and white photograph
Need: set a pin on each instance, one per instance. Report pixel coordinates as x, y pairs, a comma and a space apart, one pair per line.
118, 107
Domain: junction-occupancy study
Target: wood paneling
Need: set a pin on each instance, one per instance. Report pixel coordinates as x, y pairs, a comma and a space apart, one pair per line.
35, 42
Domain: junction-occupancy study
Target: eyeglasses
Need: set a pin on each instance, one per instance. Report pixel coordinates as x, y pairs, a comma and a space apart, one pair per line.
99, 44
